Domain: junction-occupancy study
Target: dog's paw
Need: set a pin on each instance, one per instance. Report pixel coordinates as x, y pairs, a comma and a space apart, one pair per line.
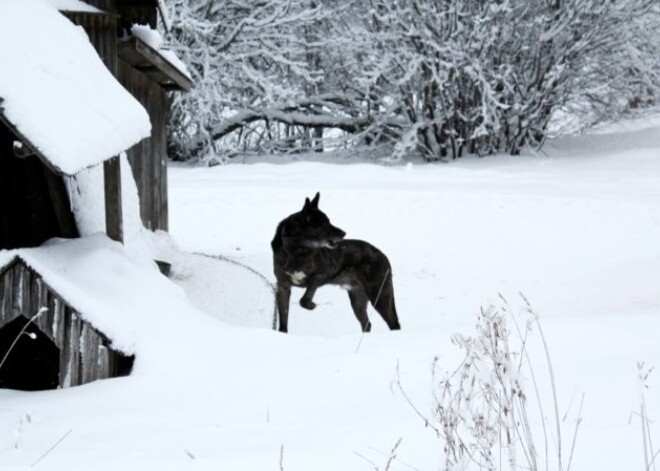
307, 303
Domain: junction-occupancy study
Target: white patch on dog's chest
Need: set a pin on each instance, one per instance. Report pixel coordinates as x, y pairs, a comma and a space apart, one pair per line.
297, 277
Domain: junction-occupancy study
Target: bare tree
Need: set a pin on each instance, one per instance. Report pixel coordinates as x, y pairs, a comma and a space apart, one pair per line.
484, 77
254, 64
436, 78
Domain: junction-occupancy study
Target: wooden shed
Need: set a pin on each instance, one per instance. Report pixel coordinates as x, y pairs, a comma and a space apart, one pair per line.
34, 202
53, 125
145, 72
51, 343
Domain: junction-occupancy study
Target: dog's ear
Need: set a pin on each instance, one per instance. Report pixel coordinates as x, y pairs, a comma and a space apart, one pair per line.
307, 204
314, 204
315, 201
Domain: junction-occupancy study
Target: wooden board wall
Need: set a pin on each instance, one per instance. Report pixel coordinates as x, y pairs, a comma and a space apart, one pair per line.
148, 158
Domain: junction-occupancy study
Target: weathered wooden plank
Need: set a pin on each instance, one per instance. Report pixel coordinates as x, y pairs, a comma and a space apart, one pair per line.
31, 295
39, 299
58, 328
89, 348
65, 352
113, 209
21, 288
49, 315
161, 153
16, 291
7, 301
103, 355
3, 295
75, 360
70, 353
46, 321
84, 354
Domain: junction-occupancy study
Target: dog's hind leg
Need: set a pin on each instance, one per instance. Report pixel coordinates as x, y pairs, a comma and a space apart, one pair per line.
283, 297
359, 302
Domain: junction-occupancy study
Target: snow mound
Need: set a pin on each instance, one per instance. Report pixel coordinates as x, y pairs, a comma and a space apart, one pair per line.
226, 290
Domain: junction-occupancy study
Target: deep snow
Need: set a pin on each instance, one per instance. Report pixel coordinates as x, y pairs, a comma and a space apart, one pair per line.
576, 229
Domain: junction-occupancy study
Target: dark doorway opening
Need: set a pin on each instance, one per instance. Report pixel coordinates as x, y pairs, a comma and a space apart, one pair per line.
31, 359
34, 202
123, 364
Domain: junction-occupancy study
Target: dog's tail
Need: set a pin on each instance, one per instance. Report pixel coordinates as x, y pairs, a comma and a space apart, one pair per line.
383, 302
394, 323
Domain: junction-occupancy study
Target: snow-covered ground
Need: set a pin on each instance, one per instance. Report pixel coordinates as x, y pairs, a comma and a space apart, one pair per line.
575, 228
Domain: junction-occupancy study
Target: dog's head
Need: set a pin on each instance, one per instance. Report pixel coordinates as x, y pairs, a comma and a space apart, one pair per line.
312, 227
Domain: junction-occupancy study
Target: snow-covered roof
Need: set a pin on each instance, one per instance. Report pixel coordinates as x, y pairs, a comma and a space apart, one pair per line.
120, 297
57, 92
74, 6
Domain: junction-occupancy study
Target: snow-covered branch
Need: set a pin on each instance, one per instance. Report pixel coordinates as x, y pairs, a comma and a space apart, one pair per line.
437, 78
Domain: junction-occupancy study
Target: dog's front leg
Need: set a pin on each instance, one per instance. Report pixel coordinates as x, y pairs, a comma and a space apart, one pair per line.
283, 297
307, 300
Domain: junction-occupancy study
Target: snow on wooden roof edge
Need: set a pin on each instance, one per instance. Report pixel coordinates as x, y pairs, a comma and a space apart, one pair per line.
58, 93
74, 6
120, 297
152, 39
33, 259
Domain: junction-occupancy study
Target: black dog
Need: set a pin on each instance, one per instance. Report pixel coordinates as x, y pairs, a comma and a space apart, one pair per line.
355, 265
309, 252
310, 227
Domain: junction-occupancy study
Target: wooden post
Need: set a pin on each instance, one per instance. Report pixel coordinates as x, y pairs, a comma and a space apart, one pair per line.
114, 225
